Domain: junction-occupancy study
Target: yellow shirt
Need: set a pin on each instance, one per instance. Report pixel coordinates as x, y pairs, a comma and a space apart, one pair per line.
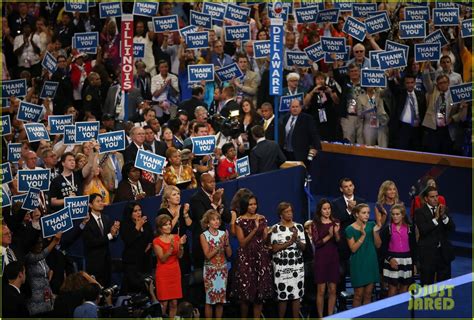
97, 186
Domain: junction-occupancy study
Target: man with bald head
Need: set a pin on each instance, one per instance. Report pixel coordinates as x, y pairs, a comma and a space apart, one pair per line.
137, 134
207, 197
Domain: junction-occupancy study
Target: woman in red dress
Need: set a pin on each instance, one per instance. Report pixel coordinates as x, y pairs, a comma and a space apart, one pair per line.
168, 249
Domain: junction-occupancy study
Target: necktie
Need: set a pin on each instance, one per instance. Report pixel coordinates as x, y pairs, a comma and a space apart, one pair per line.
10, 255
289, 136
433, 211
265, 125
411, 102
101, 226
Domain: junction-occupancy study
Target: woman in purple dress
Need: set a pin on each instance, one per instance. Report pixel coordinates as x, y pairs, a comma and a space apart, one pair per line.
253, 277
326, 258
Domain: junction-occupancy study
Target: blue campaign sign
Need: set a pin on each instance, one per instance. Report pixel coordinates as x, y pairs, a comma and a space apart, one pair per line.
49, 89
373, 78
237, 13
354, 28
14, 152
466, 28
285, 101
306, 14
6, 201
29, 112
188, 30
197, 40
32, 199
328, 15
19, 198
14, 88
199, 72
166, 23
57, 123
110, 9
446, 16
461, 92
287, 8
69, 135
203, 145
417, 13
216, 10
442, 4
49, 62
200, 19
362, 10
36, 132
86, 41
229, 72
235, 33
79, 206
377, 23
60, 221
261, 49
298, 59
276, 56
6, 173
149, 161
86, 131
343, 6
39, 178
333, 44
392, 46
111, 141
6, 126
76, 6
315, 52
412, 29
392, 59
243, 166
437, 36
427, 52
139, 50
332, 57
374, 60
146, 9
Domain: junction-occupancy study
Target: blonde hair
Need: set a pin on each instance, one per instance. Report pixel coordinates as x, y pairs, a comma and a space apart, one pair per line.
206, 218
383, 189
166, 194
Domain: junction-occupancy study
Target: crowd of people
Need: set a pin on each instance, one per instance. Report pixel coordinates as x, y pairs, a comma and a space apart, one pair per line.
161, 114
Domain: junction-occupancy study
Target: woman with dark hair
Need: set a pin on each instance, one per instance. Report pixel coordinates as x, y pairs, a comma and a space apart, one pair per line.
288, 243
253, 277
248, 117
137, 236
325, 235
38, 275
235, 206
132, 186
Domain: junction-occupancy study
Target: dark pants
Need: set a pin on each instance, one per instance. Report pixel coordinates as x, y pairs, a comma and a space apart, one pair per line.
290, 156
438, 141
434, 264
409, 137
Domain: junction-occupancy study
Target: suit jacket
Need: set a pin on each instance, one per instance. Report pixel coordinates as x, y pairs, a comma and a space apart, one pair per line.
228, 107
130, 152
108, 170
190, 106
124, 191
270, 131
14, 303
96, 249
400, 95
159, 146
305, 135
250, 85
432, 235
266, 156
134, 99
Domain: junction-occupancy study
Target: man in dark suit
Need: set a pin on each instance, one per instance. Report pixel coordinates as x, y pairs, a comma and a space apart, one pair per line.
195, 101
266, 155
298, 134
96, 235
114, 105
155, 146
435, 250
228, 102
14, 303
408, 113
342, 211
269, 123
137, 134
206, 198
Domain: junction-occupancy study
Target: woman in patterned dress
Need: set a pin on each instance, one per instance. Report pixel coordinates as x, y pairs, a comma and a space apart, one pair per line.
215, 245
288, 243
253, 277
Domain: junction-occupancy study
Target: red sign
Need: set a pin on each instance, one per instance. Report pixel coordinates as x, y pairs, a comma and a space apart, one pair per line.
127, 52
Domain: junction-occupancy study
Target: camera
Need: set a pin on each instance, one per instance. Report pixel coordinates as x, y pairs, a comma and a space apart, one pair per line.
230, 127
110, 291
